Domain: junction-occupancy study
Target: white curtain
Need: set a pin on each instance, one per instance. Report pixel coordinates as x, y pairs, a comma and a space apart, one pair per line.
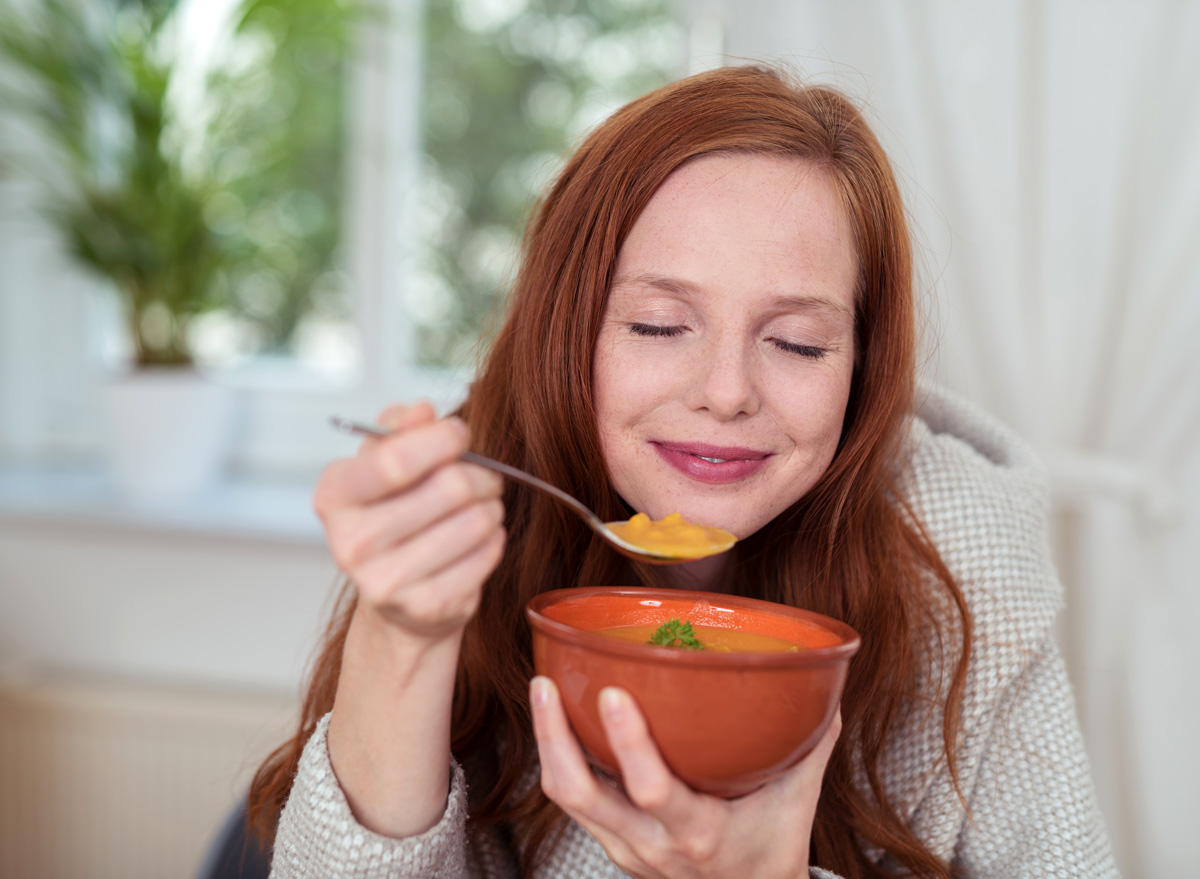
1051, 156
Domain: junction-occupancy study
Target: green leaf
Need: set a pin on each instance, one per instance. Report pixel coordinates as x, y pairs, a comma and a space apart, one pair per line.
676, 633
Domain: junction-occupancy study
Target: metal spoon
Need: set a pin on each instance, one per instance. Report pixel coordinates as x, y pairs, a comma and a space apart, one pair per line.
634, 551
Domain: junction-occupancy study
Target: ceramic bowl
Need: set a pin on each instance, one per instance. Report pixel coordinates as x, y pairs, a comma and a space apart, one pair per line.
726, 723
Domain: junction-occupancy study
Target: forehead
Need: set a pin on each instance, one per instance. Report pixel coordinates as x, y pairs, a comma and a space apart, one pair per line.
763, 222
797, 187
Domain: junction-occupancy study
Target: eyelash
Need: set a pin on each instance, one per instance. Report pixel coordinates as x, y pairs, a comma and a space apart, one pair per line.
654, 330
812, 352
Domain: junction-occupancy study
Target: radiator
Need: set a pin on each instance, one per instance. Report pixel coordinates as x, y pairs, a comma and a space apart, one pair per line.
106, 779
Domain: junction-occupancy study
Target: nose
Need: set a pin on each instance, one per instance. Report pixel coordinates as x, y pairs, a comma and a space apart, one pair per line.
723, 380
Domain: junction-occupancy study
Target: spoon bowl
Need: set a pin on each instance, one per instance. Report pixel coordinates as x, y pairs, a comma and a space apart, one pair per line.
632, 550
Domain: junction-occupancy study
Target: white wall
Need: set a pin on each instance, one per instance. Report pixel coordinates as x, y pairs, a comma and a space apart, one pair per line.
144, 673
108, 778
145, 604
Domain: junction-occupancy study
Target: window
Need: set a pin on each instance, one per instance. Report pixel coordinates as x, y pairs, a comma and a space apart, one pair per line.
510, 85
377, 178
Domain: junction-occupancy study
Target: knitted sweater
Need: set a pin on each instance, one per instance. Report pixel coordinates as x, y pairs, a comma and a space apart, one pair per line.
981, 495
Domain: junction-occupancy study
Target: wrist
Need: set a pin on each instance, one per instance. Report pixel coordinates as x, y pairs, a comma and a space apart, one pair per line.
398, 646
390, 728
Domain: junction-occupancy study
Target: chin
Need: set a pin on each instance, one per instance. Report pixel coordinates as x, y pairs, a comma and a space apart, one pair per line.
731, 517
742, 530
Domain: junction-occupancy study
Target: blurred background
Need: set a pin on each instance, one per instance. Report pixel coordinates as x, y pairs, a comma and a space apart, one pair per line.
222, 221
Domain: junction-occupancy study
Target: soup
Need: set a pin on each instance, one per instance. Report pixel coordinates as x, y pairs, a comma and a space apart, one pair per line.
714, 639
672, 536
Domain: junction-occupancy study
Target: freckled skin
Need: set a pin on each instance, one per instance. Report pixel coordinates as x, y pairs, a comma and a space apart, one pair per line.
730, 323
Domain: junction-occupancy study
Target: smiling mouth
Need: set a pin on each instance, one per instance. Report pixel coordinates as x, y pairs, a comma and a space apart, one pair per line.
712, 453
712, 464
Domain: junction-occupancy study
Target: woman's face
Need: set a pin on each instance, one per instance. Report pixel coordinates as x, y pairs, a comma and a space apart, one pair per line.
723, 364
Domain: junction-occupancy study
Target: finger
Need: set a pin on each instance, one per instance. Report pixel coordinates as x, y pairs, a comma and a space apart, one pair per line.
423, 557
649, 782
447, 600
357, 534
394, 463
402, 417
568, 780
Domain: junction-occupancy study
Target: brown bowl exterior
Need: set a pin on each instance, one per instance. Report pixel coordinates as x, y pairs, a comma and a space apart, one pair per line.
725, 723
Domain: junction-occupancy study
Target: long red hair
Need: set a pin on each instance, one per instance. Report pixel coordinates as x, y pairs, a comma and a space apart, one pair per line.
849, 548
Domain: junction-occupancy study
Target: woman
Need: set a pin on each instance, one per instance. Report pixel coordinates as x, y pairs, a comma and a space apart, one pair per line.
714, 316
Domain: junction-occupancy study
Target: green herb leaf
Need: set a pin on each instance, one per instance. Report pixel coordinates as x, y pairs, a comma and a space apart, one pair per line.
674, 633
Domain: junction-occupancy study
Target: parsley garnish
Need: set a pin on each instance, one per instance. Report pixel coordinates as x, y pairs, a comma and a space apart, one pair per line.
674, 633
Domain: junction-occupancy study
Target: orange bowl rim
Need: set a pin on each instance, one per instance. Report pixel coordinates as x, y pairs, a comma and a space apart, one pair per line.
812, 656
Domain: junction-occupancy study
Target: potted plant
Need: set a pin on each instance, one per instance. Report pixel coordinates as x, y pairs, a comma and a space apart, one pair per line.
90, 84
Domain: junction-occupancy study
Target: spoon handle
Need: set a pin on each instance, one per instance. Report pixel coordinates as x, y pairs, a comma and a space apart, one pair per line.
346, 425
529, 479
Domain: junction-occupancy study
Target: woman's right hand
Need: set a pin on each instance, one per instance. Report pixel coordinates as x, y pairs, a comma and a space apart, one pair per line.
417, 530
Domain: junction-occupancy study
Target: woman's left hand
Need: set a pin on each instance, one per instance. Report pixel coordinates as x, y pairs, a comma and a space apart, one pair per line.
660, 827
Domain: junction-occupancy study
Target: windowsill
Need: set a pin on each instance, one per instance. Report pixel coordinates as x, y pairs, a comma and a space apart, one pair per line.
240, 508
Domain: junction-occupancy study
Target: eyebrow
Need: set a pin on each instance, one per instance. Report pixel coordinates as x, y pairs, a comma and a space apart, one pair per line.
789, 302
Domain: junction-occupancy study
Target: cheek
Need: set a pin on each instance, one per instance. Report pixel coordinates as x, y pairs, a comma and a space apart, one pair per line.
614, 391
815, 413
611, 394
606, 390
624, 388
832, 413
834, 418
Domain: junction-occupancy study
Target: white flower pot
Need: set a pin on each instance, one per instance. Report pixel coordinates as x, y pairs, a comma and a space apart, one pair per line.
168, 434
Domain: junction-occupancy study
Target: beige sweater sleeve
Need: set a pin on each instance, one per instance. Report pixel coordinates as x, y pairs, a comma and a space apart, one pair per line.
318, 835
1033, 807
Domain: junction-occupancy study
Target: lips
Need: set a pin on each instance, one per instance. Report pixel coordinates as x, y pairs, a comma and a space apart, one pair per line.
712, 464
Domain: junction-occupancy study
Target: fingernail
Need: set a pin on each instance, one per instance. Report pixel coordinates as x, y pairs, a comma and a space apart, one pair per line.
459, 425
539, 691
612, 705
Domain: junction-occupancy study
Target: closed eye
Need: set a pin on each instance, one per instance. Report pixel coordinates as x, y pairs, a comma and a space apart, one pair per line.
812, 352
654, 330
